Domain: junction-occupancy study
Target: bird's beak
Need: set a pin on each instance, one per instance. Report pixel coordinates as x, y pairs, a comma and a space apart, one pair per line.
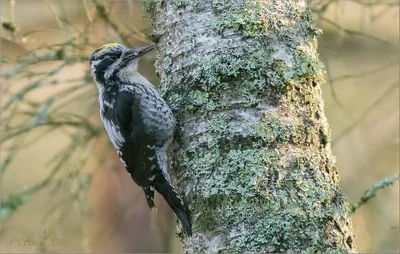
143, 50
138, 52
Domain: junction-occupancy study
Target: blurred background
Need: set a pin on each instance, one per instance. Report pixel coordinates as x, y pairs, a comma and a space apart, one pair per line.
62, 187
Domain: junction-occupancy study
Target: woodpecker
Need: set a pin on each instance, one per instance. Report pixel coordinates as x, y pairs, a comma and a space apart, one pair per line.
139, 123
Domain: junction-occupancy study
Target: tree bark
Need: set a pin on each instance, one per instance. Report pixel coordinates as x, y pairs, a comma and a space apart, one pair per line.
252, 156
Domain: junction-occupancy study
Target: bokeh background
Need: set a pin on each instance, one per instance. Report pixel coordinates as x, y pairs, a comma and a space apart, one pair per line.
62, 184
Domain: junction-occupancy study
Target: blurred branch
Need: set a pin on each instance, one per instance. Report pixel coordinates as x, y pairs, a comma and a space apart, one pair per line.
14, 201
319, 6
332, 87
370, 3
366, 112
22, 115
371, 192
124, 33
349, 31
11, 153
43, 114
42, 118
366, 73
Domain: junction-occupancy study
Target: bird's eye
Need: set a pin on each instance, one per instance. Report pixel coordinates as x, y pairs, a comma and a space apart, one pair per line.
114, 57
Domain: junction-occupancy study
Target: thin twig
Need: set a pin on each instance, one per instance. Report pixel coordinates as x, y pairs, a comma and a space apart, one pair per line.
371, 192
366, 73
366, 112
124, 33
351, 32
330, 82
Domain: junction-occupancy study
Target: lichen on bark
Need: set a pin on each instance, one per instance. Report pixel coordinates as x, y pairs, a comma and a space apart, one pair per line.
252, 155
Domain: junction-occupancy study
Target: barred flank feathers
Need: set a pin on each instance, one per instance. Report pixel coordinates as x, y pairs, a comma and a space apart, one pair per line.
177, 205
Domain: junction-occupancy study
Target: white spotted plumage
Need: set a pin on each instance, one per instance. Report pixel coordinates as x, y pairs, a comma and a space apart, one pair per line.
114, 133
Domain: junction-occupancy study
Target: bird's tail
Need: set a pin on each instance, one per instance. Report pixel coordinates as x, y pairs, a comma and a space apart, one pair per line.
176, 203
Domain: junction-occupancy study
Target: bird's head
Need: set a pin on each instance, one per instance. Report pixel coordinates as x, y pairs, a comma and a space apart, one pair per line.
115, 62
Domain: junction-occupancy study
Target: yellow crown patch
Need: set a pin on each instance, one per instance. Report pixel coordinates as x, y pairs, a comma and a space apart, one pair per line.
106, 46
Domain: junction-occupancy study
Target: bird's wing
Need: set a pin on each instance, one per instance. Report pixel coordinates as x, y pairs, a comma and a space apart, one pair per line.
137, 151
139, 154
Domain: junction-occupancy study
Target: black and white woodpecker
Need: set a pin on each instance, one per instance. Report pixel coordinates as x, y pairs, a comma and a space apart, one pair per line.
139, 123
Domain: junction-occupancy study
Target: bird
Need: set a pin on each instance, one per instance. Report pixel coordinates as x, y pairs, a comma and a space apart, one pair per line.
138, 121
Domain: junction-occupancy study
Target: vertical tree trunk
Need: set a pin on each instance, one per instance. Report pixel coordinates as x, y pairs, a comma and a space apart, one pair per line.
253, 157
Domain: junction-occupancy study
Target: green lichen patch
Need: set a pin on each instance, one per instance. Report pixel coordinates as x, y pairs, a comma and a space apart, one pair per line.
270, 157
274, 130
178, 4
229, 174
219, 66
258, 19
268, 180
149, 6
250, 18
239, 73
262, 225
227, 64
254, 74
277, 201
199, 163
279, 128
219, 5
219, 124
306, 66
201, 99
286, 222
230, 189
207, 219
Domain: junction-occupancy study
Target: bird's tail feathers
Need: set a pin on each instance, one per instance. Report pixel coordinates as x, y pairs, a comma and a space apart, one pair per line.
177, 205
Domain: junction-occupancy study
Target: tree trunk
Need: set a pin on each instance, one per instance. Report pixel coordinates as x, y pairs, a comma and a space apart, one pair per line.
252, 156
